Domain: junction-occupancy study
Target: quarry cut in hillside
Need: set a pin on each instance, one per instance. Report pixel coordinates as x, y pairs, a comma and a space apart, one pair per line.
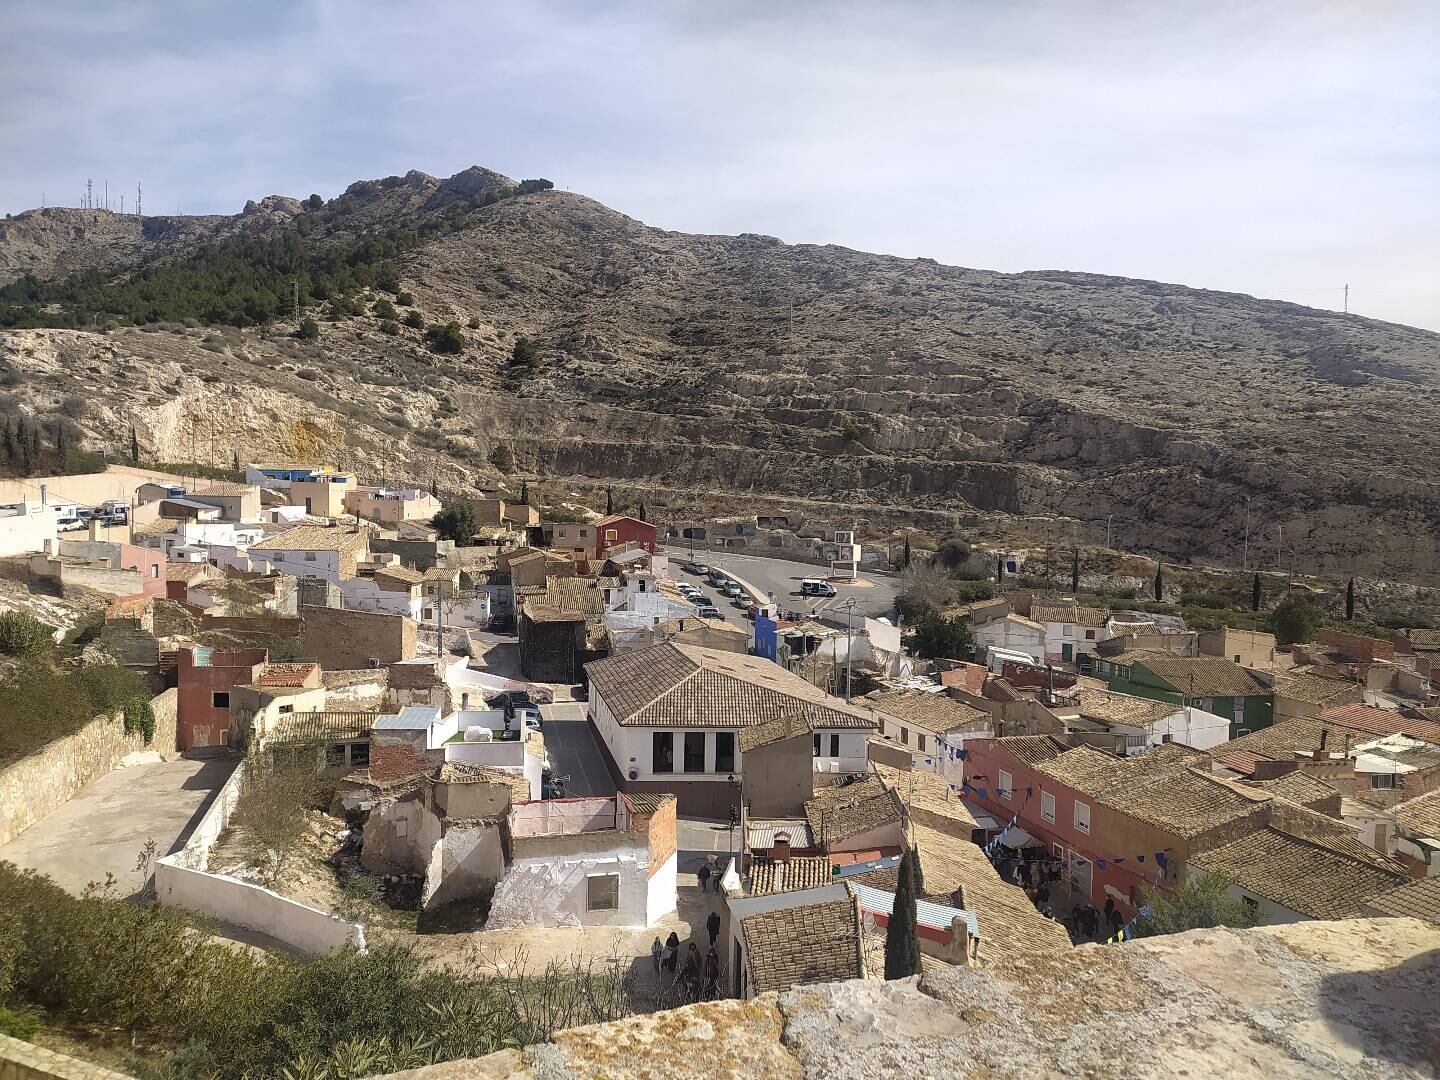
742, 367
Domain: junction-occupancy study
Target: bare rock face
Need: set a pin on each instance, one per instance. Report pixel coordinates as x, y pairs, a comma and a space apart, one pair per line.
1304, 1001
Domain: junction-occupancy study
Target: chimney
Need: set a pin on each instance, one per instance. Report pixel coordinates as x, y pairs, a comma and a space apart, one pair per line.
94, 528
1324, 738
44, 494
1049, 684
957, 897
780, 849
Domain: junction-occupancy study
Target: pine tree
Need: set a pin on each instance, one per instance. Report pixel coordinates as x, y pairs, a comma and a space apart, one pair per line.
7, 446
524, 493
609, 500
1350, 600
1255, 593
902, 943
1160, 581
1075, 571
62, 444
235, 459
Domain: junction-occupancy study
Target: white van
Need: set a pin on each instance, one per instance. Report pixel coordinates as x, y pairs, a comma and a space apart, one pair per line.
816, 587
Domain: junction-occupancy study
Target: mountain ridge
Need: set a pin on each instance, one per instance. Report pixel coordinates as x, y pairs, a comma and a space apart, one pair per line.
1059, 399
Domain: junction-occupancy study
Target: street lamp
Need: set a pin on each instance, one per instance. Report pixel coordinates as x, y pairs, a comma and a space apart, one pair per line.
738, 790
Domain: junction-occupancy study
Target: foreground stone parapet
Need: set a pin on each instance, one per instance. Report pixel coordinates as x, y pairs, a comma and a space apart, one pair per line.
1359, 998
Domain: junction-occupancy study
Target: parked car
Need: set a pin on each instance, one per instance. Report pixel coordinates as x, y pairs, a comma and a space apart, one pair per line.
697, 568
708, 611
816, 587
732, 589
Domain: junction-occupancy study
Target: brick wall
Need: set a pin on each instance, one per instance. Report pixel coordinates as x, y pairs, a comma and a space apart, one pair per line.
1358, 646
336, 638
394, 758
662, 835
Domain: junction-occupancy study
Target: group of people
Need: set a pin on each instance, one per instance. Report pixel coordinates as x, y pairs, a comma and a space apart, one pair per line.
700, 978
1039, 873
1086, 923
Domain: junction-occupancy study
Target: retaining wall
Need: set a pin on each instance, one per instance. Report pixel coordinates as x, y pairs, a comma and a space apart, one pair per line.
47, 779
25, 1061
184, 879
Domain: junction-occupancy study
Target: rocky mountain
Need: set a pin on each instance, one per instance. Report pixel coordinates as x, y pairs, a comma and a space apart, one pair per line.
704, 371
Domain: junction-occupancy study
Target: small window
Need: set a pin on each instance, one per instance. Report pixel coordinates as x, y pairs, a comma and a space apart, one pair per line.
279, 556
602, 892
1383, 780
1082, 817
1089, 635
834, 744
904, 736
817, 744
611, 534
1047, 807
725, 751
1006, 783
220, 699
286, 709
662, 752
694, 751
920, 742
359, 753
1250, 902
309, 556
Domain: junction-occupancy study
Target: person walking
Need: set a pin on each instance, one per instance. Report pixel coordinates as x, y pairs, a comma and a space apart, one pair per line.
691, 972
1109, 909
704, 876
672, 952
712, 924
655, 950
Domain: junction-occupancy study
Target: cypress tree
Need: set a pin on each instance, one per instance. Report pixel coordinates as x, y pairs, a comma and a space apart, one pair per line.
609, 500
641, 513
1255, 593
999, 569
1160, 581
1075, 571
524, 493
434, 488
1350, 600
7, 447
905, 554
135, 448
902, 944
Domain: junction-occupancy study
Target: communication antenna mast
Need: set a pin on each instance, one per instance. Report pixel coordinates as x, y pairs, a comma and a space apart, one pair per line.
122, 204
1347, 298
89, 194
107, 194
295, 300
137, 199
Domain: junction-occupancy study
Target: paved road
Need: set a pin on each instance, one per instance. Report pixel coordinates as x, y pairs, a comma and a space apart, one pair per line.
572, 749
782, 578
106, 825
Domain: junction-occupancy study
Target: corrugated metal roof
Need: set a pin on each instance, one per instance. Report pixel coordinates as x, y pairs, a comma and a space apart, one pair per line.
410, 718
935, 916
761, 834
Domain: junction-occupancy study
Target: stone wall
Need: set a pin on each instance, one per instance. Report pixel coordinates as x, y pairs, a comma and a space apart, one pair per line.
50, 777
26, 1061
336, 638
1351, 999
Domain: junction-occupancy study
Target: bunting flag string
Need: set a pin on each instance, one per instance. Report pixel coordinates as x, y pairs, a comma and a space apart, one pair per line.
1126, 932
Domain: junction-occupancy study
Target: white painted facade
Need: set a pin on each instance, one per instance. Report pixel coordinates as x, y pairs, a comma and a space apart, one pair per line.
366, 594
1191, 726
190, 537
1013, 634
1081, 640
28, 527
301, 564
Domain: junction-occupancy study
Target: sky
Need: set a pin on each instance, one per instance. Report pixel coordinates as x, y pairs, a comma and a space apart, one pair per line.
1279, 149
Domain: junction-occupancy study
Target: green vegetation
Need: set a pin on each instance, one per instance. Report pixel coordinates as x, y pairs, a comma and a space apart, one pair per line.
448, 338
140, 717
24, 635
902, 942
390, 326
936, 637
309, 330
414, 320
1201, 902
850, 432
474, 322
456, 522
269, 816
46, 447
136, 978
1296, 618
952, 553
41, 701
502, 459
525, 354
404, 299
383, 309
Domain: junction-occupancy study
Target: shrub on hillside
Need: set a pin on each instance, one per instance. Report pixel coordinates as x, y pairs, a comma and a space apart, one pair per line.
24, 635
448, 338
414, 320
383, 309
309, 330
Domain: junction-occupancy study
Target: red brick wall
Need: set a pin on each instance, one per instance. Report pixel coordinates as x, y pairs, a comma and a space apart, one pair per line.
1358, 646
394, 758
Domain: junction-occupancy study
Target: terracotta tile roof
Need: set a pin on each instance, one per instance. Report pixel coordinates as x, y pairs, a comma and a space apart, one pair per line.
158, 527
1300, 874
1033, 749
1418, 900
1283, 739
286, 674
456, 772
671, 627
935, 712
1195, 676
928, 798
1021, 620
1299, 787
1185, 803
843, 810
1419, 816
1424, 639
776, 729
811, 944
1085, 769
1008, 922
801, 872
1382, 722
226, 488
400, 573
647, 802
1126, 710
186, 571
1068, 613
312, 538
674, 685
313, 728
1314, 689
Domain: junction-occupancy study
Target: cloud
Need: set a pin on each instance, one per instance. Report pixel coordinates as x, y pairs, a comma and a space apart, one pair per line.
1283, 149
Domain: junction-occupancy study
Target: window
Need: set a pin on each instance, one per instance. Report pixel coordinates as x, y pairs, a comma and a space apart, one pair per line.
220, 699
905, 736
817, 744
1006, 782
662, 752
611, 534
1207, 704
725, 751
154, 570
286, 709
1066, 630
834, 744
694, 751
920, 742
1047, 807
1238, 716
1383, 780
279, 556
602, 892
1250, 902
1089, 635
309, 556
1082, 817
360, 753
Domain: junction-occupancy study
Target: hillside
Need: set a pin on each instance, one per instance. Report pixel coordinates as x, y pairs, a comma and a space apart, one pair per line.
696, 369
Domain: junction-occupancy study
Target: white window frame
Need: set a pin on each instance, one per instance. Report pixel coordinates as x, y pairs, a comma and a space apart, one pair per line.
1075, 817
1047, 807
1006, 784
1382, 781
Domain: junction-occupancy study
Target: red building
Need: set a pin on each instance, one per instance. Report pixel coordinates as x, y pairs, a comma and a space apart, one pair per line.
617, 529
206, 679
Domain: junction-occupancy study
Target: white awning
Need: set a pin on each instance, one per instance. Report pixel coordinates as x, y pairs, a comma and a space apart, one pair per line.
1017, 837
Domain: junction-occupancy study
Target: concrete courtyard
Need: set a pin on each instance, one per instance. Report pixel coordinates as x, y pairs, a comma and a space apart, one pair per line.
105, 827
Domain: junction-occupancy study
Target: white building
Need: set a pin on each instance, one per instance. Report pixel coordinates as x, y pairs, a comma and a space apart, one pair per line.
318, 551
27, 527
1013, 633
1071, 631
668, 718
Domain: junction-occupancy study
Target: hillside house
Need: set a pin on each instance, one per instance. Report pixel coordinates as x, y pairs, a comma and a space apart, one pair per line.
236, 502
1209, 683
205, 679
331, 552
1071, 631
323, 495
786, 939
391, 506
1013, 634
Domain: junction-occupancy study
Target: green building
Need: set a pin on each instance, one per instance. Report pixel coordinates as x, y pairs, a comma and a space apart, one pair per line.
1211, 683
